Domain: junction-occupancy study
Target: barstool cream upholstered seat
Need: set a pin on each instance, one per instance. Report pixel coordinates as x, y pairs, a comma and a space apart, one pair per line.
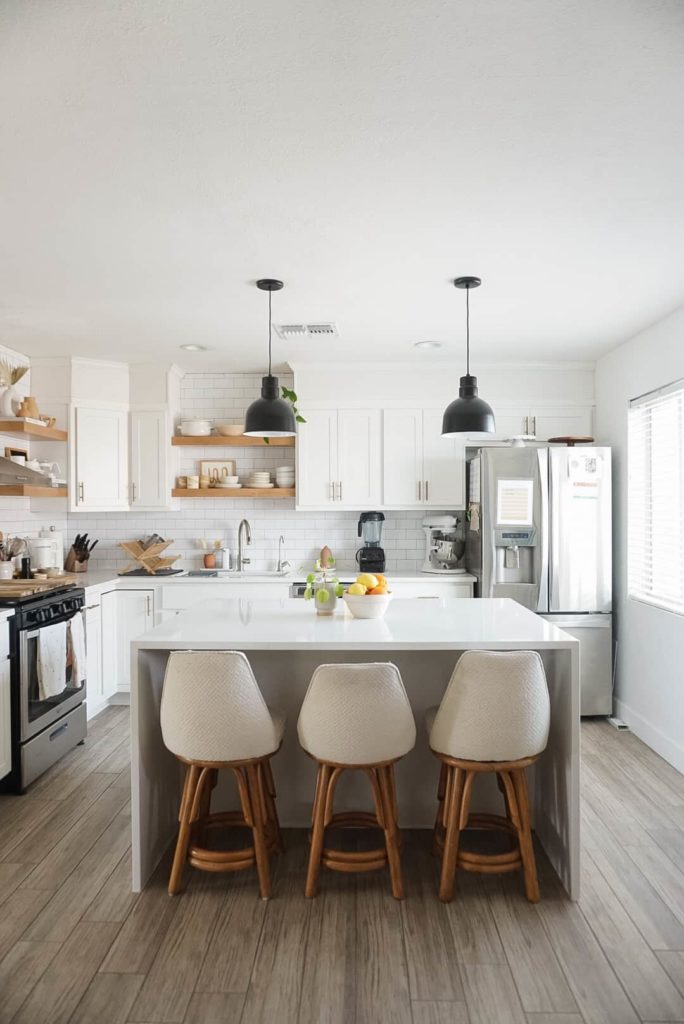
494, 717
214, 716
356, 717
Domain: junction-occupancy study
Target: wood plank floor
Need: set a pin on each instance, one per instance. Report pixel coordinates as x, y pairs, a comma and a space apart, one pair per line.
77, 946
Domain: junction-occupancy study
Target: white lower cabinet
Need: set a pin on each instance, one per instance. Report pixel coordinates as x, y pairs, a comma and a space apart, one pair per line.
5, 703
436, 588
93, 626
126, 615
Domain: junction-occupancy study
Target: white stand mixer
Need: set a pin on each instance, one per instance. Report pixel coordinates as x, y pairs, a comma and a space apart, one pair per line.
443, 546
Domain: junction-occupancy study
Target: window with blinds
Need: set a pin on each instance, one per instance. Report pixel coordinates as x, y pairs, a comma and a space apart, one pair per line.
656, 498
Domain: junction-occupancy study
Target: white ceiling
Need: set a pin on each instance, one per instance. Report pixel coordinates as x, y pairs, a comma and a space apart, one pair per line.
159, 155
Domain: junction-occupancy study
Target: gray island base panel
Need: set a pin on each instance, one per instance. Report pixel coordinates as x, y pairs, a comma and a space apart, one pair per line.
285, 641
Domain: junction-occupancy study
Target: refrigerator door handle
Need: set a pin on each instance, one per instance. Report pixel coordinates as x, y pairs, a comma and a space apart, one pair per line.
544, 540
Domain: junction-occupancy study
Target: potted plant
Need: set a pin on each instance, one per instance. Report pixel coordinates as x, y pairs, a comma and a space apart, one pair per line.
323, 586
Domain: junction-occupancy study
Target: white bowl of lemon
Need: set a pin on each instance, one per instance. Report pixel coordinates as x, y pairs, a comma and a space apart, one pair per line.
368, 597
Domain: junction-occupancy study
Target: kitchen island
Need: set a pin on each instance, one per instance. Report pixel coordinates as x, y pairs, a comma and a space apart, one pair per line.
284, 641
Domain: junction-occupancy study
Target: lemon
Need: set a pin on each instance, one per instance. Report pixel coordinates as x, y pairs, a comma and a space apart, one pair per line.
357, 589
322, 596
367, 580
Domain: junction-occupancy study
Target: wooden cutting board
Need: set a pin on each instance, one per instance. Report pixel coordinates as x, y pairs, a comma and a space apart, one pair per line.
26, 588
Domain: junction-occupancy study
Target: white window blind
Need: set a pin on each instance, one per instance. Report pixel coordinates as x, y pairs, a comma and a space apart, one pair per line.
656, 498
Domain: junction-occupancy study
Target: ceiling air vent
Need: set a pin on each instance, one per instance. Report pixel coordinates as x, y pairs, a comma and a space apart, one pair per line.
318, 330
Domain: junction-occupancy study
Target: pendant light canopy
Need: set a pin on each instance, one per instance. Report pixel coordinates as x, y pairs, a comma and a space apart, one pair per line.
468, 414
270, 415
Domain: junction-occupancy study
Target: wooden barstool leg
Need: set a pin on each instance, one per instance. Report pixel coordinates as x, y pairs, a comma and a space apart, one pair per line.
525, 836
260, 848
205, 806
270, 801
192, 775
318, 830
445, 778
389, 815
452, 820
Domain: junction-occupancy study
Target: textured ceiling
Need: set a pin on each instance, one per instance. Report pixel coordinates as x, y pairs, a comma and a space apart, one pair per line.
159, 155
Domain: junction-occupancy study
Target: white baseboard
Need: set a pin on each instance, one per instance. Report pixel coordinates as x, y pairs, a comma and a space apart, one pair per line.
669, 749
120, 697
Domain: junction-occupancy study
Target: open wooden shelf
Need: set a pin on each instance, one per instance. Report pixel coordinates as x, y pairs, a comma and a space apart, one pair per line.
237, 492
32, 430
27, 491
218, 441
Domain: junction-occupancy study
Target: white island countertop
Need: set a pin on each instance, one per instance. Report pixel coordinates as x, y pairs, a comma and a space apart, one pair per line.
409, 624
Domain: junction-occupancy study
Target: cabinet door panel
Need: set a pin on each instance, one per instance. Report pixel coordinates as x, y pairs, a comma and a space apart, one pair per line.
110, 644
443, 464
402, 457
5, 726
359, 458
317, 458
150, 483
563, 422
93, 622
101, 458
135, 615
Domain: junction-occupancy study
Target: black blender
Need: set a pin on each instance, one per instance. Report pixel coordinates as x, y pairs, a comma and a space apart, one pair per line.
371, 557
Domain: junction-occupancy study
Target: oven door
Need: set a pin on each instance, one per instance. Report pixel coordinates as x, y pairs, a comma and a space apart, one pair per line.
42, 705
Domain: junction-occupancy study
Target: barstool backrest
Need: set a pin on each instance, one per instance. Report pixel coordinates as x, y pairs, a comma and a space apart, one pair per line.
356, 714
212, 708
496, 708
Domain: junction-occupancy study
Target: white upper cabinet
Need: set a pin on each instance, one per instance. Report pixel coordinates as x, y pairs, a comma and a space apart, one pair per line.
99, 454
151, 453
420, 467
562, 422
443, 464
402, 459
339, 459
359, 463
317, 458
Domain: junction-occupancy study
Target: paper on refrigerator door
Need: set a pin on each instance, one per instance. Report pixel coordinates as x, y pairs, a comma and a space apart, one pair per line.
514, 502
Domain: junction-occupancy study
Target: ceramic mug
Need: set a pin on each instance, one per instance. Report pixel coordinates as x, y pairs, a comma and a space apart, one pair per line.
193, 483
182, 482
6, 570
204, 481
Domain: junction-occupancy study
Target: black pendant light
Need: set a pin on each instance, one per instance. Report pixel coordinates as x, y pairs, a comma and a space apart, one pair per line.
270, 415
468, 414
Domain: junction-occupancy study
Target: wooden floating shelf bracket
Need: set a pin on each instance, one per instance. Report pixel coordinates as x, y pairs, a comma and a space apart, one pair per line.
28, 491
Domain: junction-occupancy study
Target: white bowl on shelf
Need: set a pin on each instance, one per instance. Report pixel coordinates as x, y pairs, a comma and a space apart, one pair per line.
367, 606
230, 429
195, 428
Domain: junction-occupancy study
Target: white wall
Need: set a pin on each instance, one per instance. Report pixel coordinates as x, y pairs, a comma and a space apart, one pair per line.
650, 666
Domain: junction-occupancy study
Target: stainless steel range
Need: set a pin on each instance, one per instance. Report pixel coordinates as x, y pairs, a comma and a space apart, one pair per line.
48, 685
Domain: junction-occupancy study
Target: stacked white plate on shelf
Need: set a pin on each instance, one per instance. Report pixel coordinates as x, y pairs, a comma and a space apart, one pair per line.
259, 478
285, 476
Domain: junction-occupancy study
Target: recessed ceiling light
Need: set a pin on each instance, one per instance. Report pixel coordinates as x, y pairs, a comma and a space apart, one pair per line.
195, 348
428, 344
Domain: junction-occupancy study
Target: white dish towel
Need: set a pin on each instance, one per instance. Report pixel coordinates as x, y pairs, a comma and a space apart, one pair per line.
51, 660
78, 650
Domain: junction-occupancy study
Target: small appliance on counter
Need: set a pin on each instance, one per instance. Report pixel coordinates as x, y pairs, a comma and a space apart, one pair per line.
444, 545
371, 557
46, 550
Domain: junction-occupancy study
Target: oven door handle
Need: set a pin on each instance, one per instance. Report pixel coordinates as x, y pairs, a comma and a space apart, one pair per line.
32, 636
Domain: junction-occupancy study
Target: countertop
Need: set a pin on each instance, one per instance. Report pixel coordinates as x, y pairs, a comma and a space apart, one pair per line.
409, 624
105, 577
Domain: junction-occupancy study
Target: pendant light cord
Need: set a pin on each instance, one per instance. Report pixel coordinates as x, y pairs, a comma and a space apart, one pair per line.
467, 332
269, 333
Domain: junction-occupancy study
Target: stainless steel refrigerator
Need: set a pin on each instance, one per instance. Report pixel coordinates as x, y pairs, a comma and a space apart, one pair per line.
538, 530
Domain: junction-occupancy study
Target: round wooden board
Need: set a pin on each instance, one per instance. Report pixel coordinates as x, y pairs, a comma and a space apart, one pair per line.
571, 441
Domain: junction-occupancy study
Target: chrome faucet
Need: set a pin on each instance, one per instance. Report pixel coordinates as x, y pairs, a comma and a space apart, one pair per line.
241, 560
282, 566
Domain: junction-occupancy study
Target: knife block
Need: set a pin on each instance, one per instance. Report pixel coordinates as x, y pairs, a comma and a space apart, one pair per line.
72, 564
